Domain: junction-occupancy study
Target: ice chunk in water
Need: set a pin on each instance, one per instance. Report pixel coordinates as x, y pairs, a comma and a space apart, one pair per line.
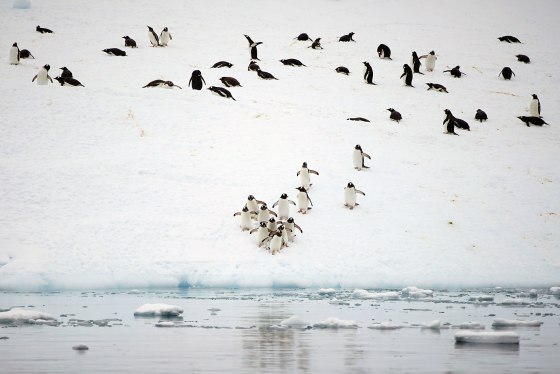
555, 290
363, 294
294, 321
80, 347
434, 325
385, 326
506, 337
166, 310
416, 293
471, 326
20, 315
502, 322
335, 323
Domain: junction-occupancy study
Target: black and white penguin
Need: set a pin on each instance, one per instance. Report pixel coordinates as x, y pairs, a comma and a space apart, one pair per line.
449, 122
395, 116
230, 82
253, 66
283, 206
115, 52
24, 53
68, 81
430, 60
456, 72
342, 70
221, 92
347, 38
304, 175
303, 37
253, 204
291, 226
43, 30
457, 122
43, 76
245, 219
523, 58
535, 121
407, 74
292, 62
316, 44
162, 83
415, 62
303, 200
221, 64
480, 115
276, 243
384, 52
506, 73
66, 73
262, 233
253, 47
535, 106
272, 225
437, 87
265, 75
14, 54
509, 39
164, 37
358, 119
350, 193
358, 157
154, 39
368, 73
129, 42
264, 213
196, 81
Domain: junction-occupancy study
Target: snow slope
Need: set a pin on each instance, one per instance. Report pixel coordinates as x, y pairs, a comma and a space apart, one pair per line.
113, 185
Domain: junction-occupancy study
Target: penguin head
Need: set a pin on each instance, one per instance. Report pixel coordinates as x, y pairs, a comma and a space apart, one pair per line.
432, 53
47, 67
414, 54
534, 96
284, 196
290, 220
14, 45
264, 207
64, 68
59, 79
245, 209
350, 185
196, 73
351, 34
366, 63
447, 112
150, 29
280, 228
358, 147
165, 29
391, 110
301, 189
304, 165
250, 197
38, 27
262, 224
271, 220
457, 67
126, 37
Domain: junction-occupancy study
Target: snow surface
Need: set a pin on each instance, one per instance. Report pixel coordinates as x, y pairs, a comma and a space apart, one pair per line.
113, 185
506, 337
20, 315
158, 310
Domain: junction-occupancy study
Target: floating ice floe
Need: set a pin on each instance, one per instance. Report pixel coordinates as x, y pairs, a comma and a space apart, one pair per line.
134, 292
80, 347
555, 290
506, 337
326, 291
482, 298
470, 326
363, 294
433, 325
516, 302
385, 326
502, 322
148, 310
416, 293
335, 323
20, 315
294, 322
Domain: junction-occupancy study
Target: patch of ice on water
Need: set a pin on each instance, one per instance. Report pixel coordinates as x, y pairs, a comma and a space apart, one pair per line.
335, 323
508, 302
385, 326
416, 293
470, 326
214, 310
482, 298
134, 292
80, 347
326, 291
555, 290
433, 325
148, 310
295, 322
364, 294
502, 322
506, 337
20, 315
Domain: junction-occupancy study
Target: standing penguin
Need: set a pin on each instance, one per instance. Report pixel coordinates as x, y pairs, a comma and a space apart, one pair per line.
253, 204
449, 122
43, 76
407, 74
368, 73
129, 42
264, 213
154, 40
66, 73
395, 116
430, 61
358, 156
506, 73
283, 206
14, 54
164, 37
253, 47
276, 243
285, 234
304, 175
197, 80
245, 222
384, 52
291, 226
415, 62
272, 225
350, 192
303, 200
480, 115
262, 233
535, 106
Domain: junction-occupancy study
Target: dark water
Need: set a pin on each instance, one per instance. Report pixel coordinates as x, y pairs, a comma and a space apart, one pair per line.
238, 331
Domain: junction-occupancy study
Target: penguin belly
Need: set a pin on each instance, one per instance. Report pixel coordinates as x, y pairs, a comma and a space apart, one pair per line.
283, 209
302, 202
14, 54
252, 205
304, 178
357, 159
263, 215
350, 197
165, 38
262, 234
534, 108
275, 244
42, 77
245, 221
430, 62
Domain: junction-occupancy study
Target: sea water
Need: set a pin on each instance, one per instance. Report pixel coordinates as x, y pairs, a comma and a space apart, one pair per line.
245, 331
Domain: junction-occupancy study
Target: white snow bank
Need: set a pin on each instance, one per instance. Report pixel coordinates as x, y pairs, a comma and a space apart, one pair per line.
555, 290
471, 326
433, 325
502, 322
506, 337
326, 291
385, 326
294, 321
158, 310
364, 294
335, 323
416, 293
20, 315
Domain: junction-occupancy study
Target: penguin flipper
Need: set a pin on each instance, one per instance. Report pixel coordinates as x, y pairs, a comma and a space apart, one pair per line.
259, 202
48, 76
276, 203
237, 214
313, 172
254, 230
35, 77
273, 213
291, 202
360, 192
297, 227
297, 174
366, 155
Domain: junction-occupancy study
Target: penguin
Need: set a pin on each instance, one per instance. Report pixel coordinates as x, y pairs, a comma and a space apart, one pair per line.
368, 73
316, 44
523, 58
407, 74
276, 243
66, 73
292, 62
304, 175
536, 121
462, 124
303, 37
272, 225
253, 47
415, 62
43, 30
230, 82
115, 52
196, 80
253, 66
455, 72
265, 75
222, 92
358, 157
68, 81
506, 73
162, 83
395, 116
43, 76
129, 42
262, 233
14, 54
509, 39
245, 218
430, 60
384, 52
221, 64
24, 53
303, 200
285, 234
165, 37
480, 115
154, 40
346, 38
264, 213
449, 122
437, 87
253, 204
291, 226
350, 193
359, 119
535, 106
342, 70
